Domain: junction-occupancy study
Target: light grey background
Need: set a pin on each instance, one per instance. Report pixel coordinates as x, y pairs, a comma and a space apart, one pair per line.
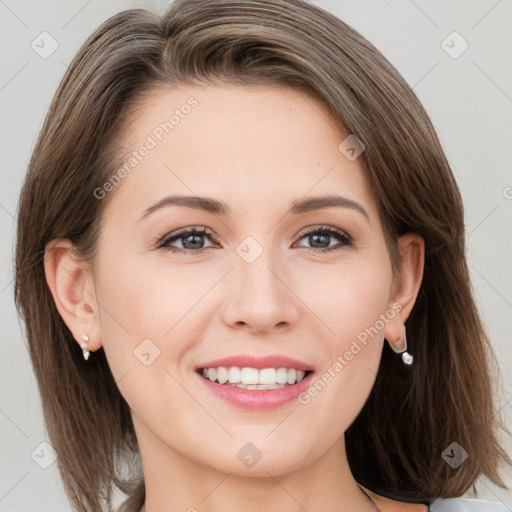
469, 99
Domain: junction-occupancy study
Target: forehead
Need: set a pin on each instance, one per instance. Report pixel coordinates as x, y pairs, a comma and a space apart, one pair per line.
251, 147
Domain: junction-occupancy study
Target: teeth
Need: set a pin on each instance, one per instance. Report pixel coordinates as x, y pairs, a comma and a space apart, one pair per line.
268, 376
258, 386
250, 376
212, 373
222, 375
234, 375
253, 378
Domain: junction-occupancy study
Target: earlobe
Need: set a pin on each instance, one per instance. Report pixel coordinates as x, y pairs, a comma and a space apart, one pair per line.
72, 288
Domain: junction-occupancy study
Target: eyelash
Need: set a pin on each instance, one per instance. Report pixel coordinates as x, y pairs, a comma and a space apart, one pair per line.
163, 243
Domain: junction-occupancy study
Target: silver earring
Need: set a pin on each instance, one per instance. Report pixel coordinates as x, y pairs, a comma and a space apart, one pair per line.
83, 345
400, 347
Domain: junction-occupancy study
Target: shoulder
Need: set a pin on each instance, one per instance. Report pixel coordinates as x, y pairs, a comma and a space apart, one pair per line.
468, 505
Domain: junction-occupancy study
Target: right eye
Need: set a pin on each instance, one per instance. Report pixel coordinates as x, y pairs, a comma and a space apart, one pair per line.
190, 237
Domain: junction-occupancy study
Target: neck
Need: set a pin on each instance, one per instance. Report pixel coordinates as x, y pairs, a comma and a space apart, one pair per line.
176, 482
369, 498
373, 504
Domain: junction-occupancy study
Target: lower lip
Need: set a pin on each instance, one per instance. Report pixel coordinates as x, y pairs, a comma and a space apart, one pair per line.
258, 398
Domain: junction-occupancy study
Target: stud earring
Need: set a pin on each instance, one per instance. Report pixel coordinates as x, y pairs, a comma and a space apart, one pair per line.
83, 345
400, 347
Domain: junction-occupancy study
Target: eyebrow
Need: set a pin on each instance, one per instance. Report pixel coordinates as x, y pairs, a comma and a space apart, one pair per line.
216, 207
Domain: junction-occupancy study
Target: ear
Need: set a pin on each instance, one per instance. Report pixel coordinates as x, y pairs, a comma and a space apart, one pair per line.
406, 284
72, 286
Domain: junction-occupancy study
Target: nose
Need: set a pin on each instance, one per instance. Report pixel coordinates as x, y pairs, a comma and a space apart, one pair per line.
259, 297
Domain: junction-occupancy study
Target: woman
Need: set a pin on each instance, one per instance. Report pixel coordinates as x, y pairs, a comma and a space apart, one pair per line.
191, 349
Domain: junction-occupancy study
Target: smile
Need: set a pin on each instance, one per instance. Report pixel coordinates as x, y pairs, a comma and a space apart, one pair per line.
249, 392
253, 378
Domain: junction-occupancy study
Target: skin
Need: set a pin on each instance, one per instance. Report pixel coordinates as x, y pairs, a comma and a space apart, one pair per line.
257, 149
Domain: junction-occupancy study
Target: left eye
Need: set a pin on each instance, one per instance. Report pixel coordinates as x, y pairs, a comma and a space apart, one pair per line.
323, 235
192, 239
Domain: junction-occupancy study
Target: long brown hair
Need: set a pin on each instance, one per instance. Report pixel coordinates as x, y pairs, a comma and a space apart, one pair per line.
413, 414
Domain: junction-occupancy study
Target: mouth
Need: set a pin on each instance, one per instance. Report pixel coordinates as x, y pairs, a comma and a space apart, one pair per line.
253, 378
255, 382
256, 389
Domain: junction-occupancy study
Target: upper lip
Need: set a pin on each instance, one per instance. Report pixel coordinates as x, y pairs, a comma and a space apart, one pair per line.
246, 360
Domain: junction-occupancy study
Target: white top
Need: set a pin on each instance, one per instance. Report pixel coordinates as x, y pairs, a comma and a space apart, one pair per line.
468, 505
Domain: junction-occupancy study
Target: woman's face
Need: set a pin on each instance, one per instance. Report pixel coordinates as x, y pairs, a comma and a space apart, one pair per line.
255, 283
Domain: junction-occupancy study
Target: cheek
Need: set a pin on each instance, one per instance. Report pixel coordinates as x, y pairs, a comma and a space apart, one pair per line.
145, 297
137, 309
351, 304
151, 305
144, 327
349, 298
355, 299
